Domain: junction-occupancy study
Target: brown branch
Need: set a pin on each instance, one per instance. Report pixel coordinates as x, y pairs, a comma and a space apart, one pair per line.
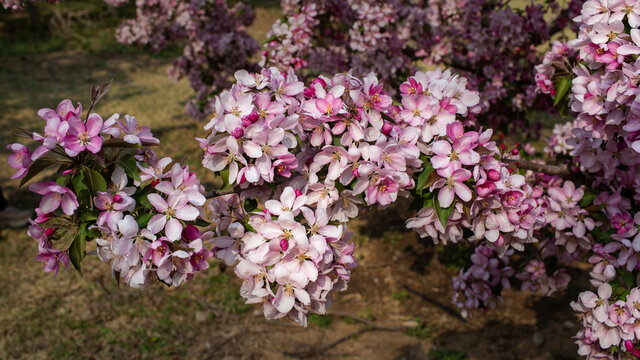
434, 302
560, 170
214, 194
324, 348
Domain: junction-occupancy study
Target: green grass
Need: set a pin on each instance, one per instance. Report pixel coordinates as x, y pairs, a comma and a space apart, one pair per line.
400, 295
420, 331
447, 355
323, 321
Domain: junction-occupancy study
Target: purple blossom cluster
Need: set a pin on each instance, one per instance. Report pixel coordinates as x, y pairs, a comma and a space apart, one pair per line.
492, 44
212, 35
113, 189
599, 85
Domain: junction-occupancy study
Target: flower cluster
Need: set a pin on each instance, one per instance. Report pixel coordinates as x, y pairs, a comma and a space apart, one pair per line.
491, 43
478, 285
600, 86
322, 150
214, 37
113, 189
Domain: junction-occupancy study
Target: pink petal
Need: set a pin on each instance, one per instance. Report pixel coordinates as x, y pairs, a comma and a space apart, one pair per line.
187, 213
173, 229
445, 196
94, 125
95, 144
157, 223
158, 203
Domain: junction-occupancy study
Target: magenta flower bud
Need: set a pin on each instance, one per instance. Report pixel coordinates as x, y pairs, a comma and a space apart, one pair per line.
154, 183
515, 151
500, 241
386, 128
628, 345
309, 93
67, 171
493, 175
237, 132
284, 244
246, 121
117, 198
298, 192
356, 173
485, 189
191, 233
49, 232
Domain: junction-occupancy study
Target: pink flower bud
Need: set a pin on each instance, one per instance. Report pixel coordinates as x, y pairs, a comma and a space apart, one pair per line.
49, 232
117, 198
515, 151
154, 183
284, 244
486, 188
628, 345
500, 241
386, 128
237, 132
493, 175
191, 233
298, 192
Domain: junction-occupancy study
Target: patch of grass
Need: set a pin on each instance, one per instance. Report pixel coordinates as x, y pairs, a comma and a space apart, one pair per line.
323, 321
421, 331
447, 355
400, 295
223, 292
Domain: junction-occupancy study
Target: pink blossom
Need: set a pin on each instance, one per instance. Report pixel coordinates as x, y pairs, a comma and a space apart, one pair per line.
55, 196
83, 136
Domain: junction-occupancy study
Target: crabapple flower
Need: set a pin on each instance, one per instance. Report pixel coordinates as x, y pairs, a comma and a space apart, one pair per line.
171, 211
83, 136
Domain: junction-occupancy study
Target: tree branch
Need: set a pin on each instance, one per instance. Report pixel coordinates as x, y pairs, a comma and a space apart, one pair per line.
560, 170
370, 326
434, 302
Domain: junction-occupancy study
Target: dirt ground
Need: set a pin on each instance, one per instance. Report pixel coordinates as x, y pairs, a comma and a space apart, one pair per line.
400, 281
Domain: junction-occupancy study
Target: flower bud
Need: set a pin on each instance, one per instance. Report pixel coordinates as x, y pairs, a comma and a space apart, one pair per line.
191, 233
237, 132
493, 175
386, 128
49, 232
284, 244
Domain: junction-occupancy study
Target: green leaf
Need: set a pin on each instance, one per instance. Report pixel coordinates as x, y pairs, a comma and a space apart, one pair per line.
62, 180
250, 205
628, 279
77, 250
37, 167
201, 223
444, 213
587, 199
93, 233
128, 163
89, 216
78, 182
143, 220
424, 175
94, 181
562, 89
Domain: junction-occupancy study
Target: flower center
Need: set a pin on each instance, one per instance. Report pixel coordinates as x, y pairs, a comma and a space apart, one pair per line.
84, 138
